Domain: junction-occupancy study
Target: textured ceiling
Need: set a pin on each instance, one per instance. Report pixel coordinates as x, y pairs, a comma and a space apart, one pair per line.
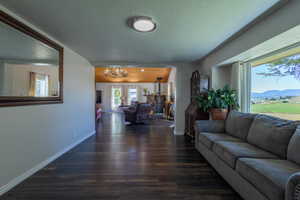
135, 75
96, 29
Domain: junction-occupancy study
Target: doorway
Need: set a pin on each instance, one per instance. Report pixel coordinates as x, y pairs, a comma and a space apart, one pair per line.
116, 99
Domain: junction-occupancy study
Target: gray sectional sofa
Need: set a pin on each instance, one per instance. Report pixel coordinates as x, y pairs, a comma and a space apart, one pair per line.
258, 155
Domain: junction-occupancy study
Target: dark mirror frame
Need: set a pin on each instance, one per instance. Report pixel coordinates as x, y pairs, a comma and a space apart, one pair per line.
21, 101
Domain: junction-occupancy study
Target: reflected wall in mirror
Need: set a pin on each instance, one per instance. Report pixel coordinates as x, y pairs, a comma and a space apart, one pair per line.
31, 65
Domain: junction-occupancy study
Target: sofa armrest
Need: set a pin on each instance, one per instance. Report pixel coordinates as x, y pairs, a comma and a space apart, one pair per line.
211, 126
292, 190
129, 111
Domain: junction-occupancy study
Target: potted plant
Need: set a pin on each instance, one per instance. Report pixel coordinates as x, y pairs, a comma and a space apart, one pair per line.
218, 102
145, 91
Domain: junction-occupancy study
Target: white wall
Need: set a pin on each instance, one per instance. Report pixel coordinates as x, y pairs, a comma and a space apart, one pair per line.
221, 76
2, 81
183, 94
172, 83
106, 91
265, 36
30, 135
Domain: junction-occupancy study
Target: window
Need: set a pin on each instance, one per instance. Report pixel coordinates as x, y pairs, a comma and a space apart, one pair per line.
39, 85
275, 87
132, 95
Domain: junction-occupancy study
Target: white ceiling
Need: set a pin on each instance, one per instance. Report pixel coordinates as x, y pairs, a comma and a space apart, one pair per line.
96, 29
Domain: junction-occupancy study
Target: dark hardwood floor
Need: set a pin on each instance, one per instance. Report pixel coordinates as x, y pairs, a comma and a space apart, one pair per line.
127, 163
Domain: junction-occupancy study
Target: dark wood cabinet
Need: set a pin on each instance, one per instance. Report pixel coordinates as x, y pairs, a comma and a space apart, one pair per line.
198, 85
158, 102
193, 113
169, 110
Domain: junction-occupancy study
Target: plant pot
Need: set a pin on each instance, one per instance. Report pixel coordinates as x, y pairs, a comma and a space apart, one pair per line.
218, 114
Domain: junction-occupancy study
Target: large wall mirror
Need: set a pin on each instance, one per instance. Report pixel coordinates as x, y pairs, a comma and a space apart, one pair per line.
31, 65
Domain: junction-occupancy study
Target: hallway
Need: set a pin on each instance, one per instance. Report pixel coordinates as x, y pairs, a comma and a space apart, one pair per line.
127, 162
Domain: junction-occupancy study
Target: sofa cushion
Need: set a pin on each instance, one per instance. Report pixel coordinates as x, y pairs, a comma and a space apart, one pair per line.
238, 124
294, 147
211, 126
208, 139
271, 134
229, 152
269, 176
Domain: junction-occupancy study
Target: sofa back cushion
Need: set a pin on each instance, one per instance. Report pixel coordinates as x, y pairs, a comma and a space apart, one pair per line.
238, 124
294, 147
271, 134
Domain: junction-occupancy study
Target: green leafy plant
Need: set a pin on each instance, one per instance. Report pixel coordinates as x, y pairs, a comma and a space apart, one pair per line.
287, 66
145, 91
221, 99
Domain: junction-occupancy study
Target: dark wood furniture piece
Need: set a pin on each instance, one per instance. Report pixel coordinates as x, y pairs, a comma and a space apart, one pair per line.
19, 27
198, 85
169, 113
158, 102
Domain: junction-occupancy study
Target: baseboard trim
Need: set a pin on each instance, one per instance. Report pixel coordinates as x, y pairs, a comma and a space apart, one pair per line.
14, 182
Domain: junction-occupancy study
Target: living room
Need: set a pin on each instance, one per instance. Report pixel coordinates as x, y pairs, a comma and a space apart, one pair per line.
229, 71
126, 89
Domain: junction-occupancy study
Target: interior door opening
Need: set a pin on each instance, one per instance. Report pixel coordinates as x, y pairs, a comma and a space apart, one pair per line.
116, 98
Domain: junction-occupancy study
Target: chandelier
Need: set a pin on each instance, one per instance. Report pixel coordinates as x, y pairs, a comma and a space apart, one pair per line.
115, 72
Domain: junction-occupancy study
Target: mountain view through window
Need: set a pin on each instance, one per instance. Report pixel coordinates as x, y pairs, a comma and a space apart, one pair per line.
276, 88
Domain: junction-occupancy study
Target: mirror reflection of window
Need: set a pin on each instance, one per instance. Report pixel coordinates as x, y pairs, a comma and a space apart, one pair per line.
42, 85
29, 80
39, 85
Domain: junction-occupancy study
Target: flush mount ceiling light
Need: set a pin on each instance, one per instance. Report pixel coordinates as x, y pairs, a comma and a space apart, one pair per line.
142, 24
